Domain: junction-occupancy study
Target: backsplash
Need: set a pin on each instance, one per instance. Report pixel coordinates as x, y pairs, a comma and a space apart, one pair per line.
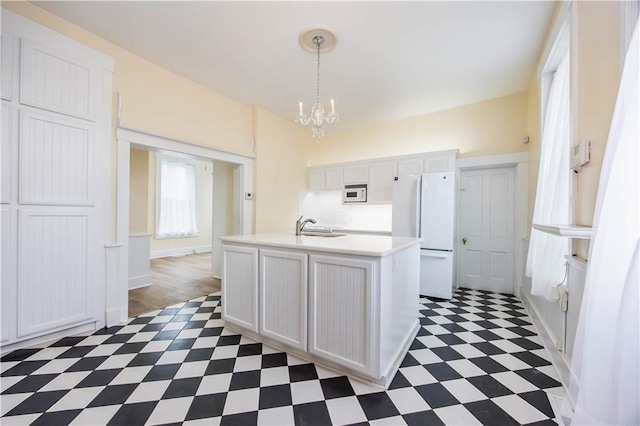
327, 209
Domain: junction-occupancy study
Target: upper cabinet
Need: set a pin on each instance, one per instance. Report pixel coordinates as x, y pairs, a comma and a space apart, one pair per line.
327, 178
380, 188
378, 174
357, 173
410, 166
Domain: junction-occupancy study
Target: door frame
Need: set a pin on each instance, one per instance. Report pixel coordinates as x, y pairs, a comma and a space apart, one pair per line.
520, 162
118, 294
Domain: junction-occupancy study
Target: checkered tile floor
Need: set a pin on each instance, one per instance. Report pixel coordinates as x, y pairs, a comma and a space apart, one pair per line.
476, 360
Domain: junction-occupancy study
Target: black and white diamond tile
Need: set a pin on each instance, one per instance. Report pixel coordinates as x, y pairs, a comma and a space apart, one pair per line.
476, 360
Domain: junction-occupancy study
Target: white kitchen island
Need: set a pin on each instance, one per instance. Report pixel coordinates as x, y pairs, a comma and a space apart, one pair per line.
348, 302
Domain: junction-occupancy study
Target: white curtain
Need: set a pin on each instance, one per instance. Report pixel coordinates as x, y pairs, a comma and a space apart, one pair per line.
177, 199
606, 360
545, 261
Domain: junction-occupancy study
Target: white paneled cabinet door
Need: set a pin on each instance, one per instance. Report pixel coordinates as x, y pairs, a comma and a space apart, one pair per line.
283, 289
341, 301
380, 188
240, 286
358, 173
316, 180
486, 229
333, 178
411, 166
55, 181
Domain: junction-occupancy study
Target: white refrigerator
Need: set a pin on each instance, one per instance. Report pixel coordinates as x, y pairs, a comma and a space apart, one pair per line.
423, 206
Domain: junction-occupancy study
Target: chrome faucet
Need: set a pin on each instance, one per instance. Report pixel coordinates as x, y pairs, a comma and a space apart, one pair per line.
301, 223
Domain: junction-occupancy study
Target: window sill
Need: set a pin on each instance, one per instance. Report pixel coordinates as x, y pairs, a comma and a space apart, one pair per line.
171, 237
571, 231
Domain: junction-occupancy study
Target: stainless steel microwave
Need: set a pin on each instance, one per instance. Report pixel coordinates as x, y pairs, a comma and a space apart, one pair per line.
354, 194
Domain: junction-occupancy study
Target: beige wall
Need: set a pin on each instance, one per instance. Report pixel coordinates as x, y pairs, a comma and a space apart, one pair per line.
595, 80
138, 191
158, 101
282, 149
495, 126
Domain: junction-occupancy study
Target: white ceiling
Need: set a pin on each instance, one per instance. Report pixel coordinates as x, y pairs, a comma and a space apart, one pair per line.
393, 59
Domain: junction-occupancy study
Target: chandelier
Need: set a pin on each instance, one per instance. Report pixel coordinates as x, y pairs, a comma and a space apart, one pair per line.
317, 40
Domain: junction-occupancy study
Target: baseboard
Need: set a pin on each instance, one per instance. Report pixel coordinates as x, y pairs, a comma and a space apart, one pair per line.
557, 360
182, 251
47, 338
113, 317
140, 281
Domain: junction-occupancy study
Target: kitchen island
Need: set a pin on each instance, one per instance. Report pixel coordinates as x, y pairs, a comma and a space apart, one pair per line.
348, 302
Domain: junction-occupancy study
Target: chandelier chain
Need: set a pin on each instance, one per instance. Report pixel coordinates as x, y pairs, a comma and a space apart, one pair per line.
318, 43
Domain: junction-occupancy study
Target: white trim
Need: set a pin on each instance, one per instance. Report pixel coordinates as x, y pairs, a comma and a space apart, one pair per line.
558, 361
139, 282
554, 41
520, 161
48, 338
128, 137
629, 11
502, 160
422, 155
147, 140
177, 252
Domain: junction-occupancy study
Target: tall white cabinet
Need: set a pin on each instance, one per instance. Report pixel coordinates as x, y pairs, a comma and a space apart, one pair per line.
56, 118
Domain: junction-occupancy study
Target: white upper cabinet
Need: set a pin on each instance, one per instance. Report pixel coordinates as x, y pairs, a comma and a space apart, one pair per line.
316, 180
440, 163
325, 178
378, 174
411, 166
357, 173
380, 188
333, 178
54, 82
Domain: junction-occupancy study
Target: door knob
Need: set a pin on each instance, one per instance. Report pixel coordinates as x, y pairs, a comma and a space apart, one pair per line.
464, 241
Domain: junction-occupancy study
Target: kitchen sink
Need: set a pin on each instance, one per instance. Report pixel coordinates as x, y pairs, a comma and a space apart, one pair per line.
321, 234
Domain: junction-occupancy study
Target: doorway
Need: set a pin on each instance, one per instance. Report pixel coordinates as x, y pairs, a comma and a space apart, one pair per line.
238, 210
176, 205
478, 268
487, 207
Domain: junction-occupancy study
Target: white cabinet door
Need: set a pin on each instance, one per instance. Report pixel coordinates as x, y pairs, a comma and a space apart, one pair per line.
8, 288
380, 188
355, 174
440, 163
316, 180
283, 296
333, 178
341, 300
240, 286
410, 166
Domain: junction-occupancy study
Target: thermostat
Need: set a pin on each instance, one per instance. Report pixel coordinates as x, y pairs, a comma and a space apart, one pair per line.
580, 154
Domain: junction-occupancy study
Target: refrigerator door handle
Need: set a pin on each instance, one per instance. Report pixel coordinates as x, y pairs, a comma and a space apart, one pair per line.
418, 215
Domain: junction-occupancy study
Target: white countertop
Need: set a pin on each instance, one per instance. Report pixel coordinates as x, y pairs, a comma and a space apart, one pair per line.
364, 245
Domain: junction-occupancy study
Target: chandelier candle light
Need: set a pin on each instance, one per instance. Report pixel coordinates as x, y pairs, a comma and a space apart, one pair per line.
317, 40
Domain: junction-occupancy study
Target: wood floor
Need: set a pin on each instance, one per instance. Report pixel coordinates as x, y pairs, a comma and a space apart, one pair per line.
175, 279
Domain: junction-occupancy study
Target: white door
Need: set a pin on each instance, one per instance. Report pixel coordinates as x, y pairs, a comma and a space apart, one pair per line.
486, 229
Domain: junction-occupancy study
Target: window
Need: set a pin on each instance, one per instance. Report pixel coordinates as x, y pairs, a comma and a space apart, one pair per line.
545, 261
176, 199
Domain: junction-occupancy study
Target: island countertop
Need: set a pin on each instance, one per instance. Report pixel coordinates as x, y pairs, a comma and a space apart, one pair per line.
364, 245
